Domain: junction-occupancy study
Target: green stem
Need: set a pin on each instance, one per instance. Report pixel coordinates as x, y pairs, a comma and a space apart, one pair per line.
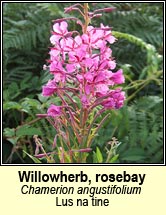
99, 126
130, 97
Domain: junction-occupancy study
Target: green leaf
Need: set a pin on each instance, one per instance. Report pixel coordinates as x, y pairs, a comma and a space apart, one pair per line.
134, 154
13, 140
9, 132
133, 157
94, 157
114, 158
32, 157
99, 155
28, 104
27, 130
11, 105
31, 102
42, 98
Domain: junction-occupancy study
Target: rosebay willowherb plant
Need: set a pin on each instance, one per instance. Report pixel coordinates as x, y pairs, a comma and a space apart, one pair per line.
82, 67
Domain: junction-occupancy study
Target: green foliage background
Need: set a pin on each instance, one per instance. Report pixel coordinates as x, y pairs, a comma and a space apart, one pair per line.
139, 50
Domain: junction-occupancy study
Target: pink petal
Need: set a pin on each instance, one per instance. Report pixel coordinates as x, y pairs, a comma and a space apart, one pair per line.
54, 110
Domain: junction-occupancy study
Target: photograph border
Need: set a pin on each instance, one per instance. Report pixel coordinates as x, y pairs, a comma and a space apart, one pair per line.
86, 164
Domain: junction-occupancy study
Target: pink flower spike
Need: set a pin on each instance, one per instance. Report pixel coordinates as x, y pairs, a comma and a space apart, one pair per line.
85, 101
84, 82
112, 64
65, 19
41, 115
60, 28
115, 101
118, 77
95, 15
107, 9
49, 89
82, 150
44, 155
102, 89
54, 39
54, 142
40, 155
54, 110
111, 39
70, 68
69, 9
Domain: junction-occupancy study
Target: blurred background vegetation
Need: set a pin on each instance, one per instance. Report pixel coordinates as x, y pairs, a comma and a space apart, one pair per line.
139, 50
